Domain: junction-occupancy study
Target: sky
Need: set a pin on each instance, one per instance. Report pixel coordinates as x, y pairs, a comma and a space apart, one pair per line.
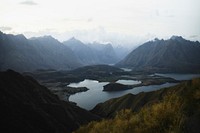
121, 22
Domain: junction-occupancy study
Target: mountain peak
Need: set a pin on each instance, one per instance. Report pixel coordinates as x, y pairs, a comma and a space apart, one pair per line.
46, 37
177, 38
156, 39
73, 38
73, 41
20, 36
173, 55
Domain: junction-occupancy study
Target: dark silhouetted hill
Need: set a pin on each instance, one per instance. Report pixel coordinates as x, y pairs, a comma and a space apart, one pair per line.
28, 107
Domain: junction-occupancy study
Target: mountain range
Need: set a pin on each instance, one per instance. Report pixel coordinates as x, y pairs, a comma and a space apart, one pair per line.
173, 55
94, 53
21, 54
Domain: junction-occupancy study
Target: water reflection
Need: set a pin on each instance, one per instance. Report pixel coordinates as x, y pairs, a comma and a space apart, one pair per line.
95, 94
128, 82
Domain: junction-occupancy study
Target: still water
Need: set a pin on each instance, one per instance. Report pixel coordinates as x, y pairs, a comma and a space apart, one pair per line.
128, 82
179, 76
95, 94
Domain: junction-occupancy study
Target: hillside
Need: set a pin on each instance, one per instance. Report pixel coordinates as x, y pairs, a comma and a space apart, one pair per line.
21, 54
175, 109
82, 51
105, 52
26, 106
96, 72
92, 54
173, 55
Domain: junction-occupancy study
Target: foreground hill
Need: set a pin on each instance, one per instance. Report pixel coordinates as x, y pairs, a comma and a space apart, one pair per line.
21, 54
173, 55
175, 109
26, 106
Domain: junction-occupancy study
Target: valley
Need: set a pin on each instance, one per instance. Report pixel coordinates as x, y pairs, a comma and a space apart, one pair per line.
59, 80
100, 66
90, 85
72, 82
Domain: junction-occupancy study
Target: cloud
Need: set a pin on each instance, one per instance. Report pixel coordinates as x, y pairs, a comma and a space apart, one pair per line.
78, 19
29, 2
98, 34
193, 36
90, 19
5, 28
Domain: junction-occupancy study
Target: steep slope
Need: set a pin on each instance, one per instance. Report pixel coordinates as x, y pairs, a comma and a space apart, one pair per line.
92, 54
174, 109
16, 53
26, 106
173, 55
105, 52
55, 54
86, 54
21, 54
122, 52
136, 102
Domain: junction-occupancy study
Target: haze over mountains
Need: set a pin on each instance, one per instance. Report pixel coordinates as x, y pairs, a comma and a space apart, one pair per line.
21, 54
91, 54
28, 106
173, 55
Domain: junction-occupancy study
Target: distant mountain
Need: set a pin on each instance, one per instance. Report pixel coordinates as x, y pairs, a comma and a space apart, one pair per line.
28, 107
105, 52
122, 52
21, 54
173, 55
94, 53
86, 54
57, 55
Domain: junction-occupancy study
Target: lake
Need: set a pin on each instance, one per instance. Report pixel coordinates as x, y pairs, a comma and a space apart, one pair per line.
179, 76
95, 94
128, 82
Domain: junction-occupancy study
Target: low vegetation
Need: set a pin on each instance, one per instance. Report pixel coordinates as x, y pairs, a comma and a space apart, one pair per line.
164, 117
177, 112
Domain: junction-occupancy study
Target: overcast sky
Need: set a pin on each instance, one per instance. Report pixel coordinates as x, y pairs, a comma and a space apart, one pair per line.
116, 21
